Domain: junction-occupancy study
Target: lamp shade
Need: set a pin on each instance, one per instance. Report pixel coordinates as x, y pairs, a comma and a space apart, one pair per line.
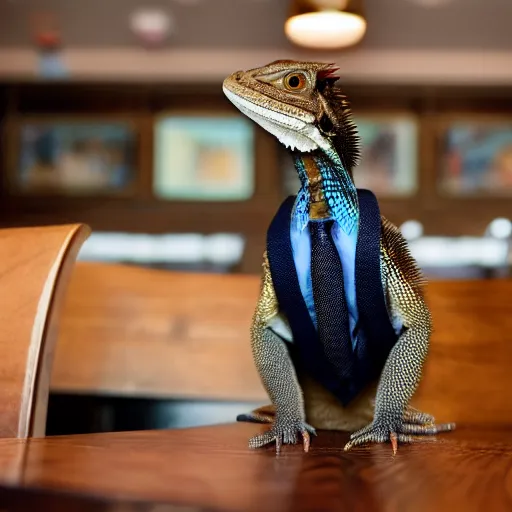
325, 24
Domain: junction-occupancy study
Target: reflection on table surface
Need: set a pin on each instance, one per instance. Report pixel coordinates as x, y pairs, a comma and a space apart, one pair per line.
212, 468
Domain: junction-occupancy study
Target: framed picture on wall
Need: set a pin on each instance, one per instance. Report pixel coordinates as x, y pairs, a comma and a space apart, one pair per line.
71, 156
476, 157
203, 158
389, 156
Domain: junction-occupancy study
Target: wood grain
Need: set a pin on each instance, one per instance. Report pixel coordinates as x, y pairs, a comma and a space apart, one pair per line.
212, 469
469, 368
35, 266
141, 332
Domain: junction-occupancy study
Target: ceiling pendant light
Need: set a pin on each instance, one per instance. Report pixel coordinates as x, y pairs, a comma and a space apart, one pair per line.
325, 24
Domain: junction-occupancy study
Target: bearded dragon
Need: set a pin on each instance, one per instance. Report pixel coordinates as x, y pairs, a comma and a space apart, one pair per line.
301, 105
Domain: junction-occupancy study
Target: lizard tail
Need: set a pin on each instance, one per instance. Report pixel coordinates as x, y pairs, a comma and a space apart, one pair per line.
264, 414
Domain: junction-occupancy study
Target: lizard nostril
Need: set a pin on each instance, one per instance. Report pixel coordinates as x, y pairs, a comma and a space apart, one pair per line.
238, 76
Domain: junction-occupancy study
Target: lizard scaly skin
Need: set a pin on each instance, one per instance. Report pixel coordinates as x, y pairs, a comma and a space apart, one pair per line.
298, 103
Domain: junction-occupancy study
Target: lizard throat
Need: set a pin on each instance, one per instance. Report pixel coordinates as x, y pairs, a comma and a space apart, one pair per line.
327, 189
318, 207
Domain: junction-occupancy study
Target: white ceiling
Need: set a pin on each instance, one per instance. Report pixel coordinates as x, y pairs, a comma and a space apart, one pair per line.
258, 24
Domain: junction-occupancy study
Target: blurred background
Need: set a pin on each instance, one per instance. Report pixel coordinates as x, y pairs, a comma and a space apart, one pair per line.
112, 114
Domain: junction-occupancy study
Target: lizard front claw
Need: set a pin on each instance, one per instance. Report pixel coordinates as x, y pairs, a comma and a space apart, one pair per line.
284, 433
381, 432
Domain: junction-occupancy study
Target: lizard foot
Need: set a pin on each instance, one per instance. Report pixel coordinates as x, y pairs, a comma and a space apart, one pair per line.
380, 432
284, 433
412, 415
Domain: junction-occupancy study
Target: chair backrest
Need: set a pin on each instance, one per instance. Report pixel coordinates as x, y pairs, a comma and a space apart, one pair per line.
468, 374
35, 266
135, 331
144, 332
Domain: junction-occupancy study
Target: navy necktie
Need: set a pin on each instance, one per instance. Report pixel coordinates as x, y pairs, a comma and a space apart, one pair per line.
329, 298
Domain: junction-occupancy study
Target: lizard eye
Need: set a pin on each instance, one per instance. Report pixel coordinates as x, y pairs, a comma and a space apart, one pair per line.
295, 81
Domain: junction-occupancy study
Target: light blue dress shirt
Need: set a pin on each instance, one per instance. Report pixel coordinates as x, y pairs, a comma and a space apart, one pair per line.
346, 245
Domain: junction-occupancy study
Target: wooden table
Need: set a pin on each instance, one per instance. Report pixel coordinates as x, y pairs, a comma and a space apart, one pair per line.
211, 468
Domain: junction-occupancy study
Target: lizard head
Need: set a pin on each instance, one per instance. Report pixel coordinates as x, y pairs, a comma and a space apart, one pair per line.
298, 103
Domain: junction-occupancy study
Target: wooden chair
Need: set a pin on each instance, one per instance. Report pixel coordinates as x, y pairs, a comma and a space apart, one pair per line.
134, 331
141, 332
35, 266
